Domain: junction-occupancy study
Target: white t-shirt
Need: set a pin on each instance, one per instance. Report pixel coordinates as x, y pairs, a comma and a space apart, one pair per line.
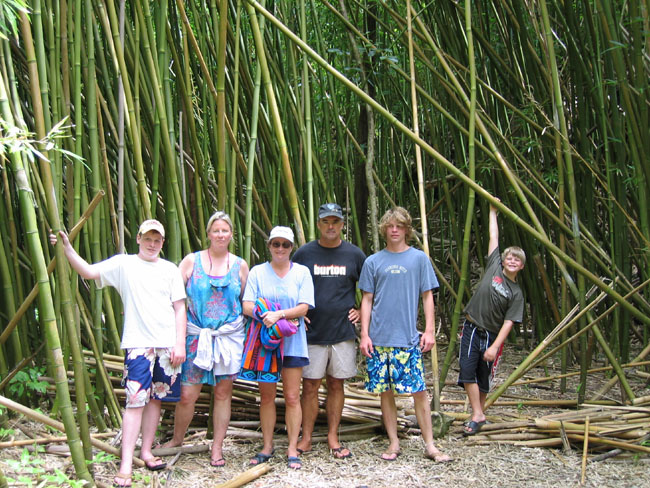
148, 290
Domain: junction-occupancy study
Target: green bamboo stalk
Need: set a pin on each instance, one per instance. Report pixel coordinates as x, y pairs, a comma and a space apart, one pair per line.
250, 175
277, 125
464, 267
561, 127
221, 104
306, 88
541, 237
46, 306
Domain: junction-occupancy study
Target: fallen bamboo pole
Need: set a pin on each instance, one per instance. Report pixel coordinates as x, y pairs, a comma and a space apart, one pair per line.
247, 476
544, 379
55, 424
575, 428
574, 315
48, 440
585, 447
609, 442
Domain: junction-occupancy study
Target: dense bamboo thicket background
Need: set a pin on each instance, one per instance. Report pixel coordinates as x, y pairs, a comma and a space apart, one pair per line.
114, 111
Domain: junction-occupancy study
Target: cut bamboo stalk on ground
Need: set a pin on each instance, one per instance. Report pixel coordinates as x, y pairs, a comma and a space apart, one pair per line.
247, 476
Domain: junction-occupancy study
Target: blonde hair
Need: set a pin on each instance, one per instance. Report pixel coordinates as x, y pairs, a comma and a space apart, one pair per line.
218, 215
399, 215
516, 252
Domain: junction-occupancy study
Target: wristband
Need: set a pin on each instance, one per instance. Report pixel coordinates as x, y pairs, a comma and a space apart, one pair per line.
283, 315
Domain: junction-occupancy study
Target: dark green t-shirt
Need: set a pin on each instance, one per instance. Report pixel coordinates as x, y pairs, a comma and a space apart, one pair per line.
496, 298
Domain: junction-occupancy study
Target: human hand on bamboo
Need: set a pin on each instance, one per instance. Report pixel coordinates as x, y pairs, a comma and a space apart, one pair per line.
493, 208
62, 235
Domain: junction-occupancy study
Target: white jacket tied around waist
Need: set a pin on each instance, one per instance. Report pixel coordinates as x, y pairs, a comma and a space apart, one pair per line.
220, 350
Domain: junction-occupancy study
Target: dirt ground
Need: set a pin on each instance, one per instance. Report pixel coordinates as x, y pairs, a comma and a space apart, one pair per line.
473, 465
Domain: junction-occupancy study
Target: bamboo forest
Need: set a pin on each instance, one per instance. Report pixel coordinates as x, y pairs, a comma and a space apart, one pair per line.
117, 111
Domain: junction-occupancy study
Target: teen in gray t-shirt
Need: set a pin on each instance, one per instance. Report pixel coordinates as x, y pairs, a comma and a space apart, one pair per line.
396, 279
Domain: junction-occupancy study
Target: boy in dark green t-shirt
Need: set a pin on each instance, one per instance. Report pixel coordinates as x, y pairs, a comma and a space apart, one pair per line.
497, 304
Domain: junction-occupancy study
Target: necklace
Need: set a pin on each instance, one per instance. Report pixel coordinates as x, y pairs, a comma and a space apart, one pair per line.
227, 262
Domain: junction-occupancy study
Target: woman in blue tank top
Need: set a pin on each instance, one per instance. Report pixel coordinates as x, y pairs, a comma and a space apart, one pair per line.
214, 281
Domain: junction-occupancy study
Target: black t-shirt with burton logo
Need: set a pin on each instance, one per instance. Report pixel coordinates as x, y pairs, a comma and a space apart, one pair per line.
335, 272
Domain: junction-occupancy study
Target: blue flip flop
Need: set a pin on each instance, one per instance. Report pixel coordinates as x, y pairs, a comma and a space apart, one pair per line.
294, 462
260, 458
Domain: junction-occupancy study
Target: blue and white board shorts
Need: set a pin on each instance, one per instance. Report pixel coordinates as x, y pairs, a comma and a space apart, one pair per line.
149, 374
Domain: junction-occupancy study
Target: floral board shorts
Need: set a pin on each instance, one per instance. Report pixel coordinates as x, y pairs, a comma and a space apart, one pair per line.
395, 368
148, 373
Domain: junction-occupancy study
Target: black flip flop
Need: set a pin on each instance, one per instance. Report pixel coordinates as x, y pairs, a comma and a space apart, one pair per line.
473, 427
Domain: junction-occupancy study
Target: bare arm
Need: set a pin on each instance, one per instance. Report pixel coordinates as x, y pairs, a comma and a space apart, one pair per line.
79, 264
366, 309
296, 312
186, 267
178, 351
428, 337
247, 308
494, 230
243, 276
491, 352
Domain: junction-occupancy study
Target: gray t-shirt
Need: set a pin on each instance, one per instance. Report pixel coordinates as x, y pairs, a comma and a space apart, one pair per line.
396, 281
497, 297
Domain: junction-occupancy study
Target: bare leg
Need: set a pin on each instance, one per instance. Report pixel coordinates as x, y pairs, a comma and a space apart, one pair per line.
335, 401
476, 400
309, 404
423, 414
293, 413
220, 418
389, 415
130, 432
150, 422
267, 415
184, 413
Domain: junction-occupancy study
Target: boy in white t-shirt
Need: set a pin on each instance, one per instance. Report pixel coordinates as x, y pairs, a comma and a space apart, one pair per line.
153, 295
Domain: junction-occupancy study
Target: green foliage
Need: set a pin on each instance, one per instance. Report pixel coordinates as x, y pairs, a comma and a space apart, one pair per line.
9, 11
15, 139
26, 384
102, 457
27, 465
4, 433
59, 478
31, 472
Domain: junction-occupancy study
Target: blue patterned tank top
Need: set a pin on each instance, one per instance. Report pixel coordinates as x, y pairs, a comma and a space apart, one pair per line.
213, 301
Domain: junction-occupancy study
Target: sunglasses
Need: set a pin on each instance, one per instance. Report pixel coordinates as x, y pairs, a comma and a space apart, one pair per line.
285, 244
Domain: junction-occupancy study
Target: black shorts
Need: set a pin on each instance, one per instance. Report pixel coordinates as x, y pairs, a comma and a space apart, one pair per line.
474, 342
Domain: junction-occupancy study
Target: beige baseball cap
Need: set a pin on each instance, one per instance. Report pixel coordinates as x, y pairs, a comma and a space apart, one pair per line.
151, 224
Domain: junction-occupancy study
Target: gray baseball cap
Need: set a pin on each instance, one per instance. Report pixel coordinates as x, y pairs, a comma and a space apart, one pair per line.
330, 210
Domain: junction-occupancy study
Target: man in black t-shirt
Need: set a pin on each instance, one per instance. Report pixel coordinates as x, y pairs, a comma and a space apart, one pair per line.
335, 266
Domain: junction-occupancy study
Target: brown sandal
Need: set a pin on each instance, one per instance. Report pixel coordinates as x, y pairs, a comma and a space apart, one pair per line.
123, 479
390, 455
